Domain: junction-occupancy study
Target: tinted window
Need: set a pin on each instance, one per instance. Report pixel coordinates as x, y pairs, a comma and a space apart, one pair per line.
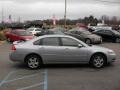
51, 41
37, 42
108, 32
69, 42
100, 31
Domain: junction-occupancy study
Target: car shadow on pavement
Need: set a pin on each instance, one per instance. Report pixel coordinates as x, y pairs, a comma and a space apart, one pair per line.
63, 66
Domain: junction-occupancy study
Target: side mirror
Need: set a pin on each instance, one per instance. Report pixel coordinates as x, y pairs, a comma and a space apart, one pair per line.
79, 45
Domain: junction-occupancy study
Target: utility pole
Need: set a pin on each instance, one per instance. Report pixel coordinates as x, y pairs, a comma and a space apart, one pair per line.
2, 14
65, 13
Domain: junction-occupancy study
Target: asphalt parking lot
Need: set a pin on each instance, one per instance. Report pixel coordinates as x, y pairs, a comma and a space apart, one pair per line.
15, 76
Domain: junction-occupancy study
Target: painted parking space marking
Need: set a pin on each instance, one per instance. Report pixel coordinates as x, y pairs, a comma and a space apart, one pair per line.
28, 76
43, 83
28, 87
45, 80
4, 80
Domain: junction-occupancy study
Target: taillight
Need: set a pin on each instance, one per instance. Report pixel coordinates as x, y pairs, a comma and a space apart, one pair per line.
13, 48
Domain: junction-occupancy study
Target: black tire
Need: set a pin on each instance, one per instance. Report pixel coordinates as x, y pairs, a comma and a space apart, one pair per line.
98, 61
33, 61
88, 41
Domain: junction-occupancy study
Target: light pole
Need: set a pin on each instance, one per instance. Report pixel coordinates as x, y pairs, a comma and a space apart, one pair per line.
65, 13
2, 14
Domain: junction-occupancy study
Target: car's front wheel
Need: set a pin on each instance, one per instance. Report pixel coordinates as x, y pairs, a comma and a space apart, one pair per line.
33, 61
98, 60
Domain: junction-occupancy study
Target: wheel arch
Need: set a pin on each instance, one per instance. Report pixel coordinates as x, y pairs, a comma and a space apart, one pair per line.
33, 54
99, 53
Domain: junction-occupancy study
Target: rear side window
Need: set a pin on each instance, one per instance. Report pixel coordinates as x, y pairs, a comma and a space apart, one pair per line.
37, 42
51, 41
100, 31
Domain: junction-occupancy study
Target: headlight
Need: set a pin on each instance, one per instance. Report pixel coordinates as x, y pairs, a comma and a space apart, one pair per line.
110, 52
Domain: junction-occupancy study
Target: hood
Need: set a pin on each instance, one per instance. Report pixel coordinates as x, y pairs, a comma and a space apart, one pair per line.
99, 48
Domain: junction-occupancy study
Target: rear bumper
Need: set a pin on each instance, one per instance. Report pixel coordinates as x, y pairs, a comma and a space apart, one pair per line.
15, 57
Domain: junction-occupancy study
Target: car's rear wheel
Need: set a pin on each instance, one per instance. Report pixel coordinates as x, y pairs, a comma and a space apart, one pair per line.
33, 61
98, 60
88, 41
117, 40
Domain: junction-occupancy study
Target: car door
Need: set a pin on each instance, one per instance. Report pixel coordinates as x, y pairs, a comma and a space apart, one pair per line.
51, 50
14, 36
72, 53
101, 33
109, 36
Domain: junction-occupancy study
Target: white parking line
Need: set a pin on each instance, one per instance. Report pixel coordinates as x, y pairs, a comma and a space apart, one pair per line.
35, 85
45, 80
4, 80
28, 76
45, 83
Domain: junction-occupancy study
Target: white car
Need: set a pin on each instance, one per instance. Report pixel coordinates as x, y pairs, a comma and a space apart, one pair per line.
34, 30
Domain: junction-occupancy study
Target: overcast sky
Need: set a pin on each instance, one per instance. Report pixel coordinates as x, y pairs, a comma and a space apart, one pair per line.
45, 9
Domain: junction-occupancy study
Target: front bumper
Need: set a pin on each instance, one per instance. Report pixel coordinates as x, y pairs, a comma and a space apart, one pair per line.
111, 58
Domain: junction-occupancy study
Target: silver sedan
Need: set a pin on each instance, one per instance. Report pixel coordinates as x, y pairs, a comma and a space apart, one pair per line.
60, 49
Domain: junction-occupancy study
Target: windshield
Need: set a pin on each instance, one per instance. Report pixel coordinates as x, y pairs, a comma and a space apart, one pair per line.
24, 33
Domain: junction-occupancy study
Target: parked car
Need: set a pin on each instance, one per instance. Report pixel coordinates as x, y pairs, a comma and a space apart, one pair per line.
109, 35
18, 35
35, 30
59, 49
84, 35
58, 31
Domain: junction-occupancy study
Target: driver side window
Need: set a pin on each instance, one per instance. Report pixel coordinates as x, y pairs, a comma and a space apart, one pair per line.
69, 42
108, 32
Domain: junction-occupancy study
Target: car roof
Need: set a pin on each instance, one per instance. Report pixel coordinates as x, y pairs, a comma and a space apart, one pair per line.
44, 36
55, 36
18, 30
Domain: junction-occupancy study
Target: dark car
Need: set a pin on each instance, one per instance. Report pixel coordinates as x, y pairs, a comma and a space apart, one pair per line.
18, 35
58, 31
84, 35
109, 35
